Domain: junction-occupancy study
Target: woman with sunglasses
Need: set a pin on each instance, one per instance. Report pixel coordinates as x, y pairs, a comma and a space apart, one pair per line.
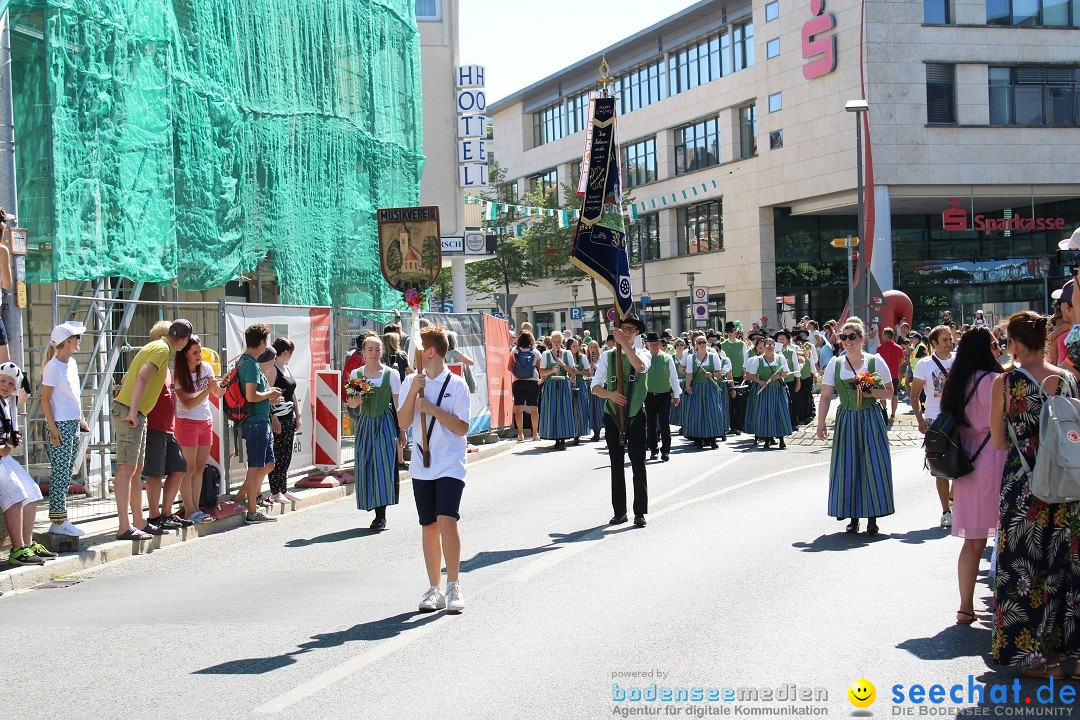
860, 477
557, 406
194, 380
771, 418
706, 415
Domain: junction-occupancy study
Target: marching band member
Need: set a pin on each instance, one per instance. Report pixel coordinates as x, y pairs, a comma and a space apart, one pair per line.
706, 415
662, 392
793, 382
678, 411
596, 404
771, 413
738, 353
582, 397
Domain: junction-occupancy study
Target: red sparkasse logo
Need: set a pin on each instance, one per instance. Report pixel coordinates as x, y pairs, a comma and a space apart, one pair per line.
814, 46
955, 219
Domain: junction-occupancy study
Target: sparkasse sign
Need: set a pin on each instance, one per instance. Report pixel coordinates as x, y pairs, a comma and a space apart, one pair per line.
955, 219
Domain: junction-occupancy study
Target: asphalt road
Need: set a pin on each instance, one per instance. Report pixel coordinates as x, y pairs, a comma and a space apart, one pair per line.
739, 581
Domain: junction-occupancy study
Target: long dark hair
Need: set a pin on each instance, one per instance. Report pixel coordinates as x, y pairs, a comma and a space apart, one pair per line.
973, 358
181, 371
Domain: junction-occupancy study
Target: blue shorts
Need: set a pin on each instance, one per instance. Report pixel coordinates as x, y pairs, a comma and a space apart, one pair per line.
437, 497
259, 442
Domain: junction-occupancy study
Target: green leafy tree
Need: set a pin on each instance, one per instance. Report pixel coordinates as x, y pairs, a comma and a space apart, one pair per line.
430, 254
393, 257
509, 267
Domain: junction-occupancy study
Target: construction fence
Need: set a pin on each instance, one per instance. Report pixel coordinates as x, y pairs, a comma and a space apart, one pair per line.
118, 324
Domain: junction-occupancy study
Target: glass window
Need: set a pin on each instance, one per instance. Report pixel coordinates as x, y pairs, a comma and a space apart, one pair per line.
639, 159
940, 94
747, 131
697, 146
696, 65
640, 87
644, 237
725, 53
744, 45
701, 228
1055, 13
545, 180
772, 48
776, 139
998, 12
577, 114
936, 12
1001, 96
772, 11
548, 124
1025, 12
1034, 96
775, 102
427, 9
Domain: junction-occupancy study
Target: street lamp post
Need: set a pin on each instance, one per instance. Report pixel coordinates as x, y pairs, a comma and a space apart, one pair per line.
690, 276
859, 107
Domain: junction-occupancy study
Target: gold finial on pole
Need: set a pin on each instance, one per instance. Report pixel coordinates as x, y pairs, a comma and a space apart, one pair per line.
606, 81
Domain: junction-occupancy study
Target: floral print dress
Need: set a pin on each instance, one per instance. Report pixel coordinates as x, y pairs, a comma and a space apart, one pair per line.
1037, 588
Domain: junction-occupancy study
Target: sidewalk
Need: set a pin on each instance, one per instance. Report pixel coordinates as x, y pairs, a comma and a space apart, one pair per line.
100, 546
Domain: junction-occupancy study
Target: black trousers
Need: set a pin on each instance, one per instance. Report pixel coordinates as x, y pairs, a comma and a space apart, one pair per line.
635, 443
657, 413
793, 403
806, 400
738, 408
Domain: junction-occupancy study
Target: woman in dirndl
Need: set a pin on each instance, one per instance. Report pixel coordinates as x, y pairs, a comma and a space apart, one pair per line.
678, 412
557, 408
706, 415
582, 395
769, 415
377, 434
596, 403
860, 476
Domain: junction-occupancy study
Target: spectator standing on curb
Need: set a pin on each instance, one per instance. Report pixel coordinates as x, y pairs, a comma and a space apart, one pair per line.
256, 426
194, 381
523, 364
287, 414
62, 407
438, 466
138, 394
930, 374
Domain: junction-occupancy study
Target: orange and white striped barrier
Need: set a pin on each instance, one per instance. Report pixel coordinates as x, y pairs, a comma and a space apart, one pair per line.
219, 426
327, 436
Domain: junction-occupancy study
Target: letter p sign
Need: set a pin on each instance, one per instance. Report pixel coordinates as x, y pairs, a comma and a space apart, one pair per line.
820, 51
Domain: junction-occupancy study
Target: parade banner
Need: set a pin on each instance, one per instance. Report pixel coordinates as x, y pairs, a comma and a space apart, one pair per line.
600, 240
410, 247
499, 377
309, 329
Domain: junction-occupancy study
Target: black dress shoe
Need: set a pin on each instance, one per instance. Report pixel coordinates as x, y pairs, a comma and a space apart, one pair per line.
617, 520
853, 526
782, 445
378, 524
639, 521
665, 457
654, 454
871, 527
713, 444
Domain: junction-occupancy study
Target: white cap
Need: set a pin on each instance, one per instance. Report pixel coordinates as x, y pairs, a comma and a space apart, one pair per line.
63, 331
1072, 242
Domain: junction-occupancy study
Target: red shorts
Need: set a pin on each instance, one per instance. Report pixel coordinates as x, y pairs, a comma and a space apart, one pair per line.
194, 433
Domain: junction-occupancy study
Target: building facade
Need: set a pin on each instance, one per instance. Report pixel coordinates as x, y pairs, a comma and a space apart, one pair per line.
741, 158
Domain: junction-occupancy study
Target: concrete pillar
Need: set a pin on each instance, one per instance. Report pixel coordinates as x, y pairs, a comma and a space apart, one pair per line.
676, 316
881, 262
457, 269
530, 316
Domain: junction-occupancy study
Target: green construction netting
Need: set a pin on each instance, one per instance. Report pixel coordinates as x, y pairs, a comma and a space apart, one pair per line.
161, 139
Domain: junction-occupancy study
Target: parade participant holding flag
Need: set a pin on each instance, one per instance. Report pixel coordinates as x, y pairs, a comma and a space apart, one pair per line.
557, 410
624, 417
662, 391
706, 414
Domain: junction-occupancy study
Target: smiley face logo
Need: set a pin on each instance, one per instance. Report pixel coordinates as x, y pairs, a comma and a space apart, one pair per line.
862, 693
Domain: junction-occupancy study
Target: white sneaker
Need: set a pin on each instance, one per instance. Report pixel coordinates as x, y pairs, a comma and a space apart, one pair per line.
946, 519
66, 528
455, 601
433, 600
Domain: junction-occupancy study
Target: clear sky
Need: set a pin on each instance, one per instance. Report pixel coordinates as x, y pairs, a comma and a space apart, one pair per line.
520, 42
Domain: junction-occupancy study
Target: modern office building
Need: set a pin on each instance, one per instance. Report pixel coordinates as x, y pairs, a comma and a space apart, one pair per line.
741, 157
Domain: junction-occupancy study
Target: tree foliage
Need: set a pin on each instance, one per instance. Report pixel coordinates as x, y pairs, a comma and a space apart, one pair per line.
509, 266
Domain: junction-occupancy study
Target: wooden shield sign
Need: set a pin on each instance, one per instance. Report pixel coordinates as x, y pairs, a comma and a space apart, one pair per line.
410, 249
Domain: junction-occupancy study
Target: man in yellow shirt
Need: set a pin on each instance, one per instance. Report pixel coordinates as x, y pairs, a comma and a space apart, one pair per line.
138, 394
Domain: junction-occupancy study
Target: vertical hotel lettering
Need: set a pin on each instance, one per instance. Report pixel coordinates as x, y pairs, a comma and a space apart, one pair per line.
472, 127
820, 51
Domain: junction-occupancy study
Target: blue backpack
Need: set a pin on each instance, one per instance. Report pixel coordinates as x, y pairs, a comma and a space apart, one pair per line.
524, 364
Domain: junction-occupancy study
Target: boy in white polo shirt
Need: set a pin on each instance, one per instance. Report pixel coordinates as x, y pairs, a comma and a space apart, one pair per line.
438, 464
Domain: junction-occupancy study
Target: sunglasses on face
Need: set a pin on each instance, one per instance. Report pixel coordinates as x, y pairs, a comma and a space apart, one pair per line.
700, 342
849, 336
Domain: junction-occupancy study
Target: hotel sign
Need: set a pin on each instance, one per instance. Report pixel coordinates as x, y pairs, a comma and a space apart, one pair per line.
472, 127
955, 219
818, 50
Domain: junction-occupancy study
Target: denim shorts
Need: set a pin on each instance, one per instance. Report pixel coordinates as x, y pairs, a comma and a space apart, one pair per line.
258, 442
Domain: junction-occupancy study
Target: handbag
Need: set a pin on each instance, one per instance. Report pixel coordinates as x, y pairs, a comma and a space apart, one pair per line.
945, 456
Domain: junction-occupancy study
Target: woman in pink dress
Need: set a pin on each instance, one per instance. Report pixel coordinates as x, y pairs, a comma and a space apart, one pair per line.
976, 497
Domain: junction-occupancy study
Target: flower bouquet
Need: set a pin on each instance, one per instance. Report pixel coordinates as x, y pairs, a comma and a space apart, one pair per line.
866, 383
358, 388
414, 299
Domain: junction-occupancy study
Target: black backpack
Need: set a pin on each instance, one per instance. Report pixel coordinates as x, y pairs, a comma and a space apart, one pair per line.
211, 487
945, 456
524, 364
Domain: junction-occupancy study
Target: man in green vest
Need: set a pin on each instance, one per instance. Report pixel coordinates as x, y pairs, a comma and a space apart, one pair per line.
737, 352
805, 405
783, 339
661, 392
624, 414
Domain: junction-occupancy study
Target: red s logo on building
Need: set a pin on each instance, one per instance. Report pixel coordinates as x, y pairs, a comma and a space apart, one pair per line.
814, 46
954, 219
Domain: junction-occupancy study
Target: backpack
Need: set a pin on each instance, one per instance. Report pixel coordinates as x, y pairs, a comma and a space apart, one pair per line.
211, 487
234, 401
945, 456
1056, 475
524, 364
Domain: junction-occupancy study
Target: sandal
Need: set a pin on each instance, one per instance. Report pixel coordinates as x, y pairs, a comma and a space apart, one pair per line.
973, 617
1044, 671
133, 534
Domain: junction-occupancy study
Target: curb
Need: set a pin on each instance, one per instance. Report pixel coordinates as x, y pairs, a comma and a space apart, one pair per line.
106, 549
